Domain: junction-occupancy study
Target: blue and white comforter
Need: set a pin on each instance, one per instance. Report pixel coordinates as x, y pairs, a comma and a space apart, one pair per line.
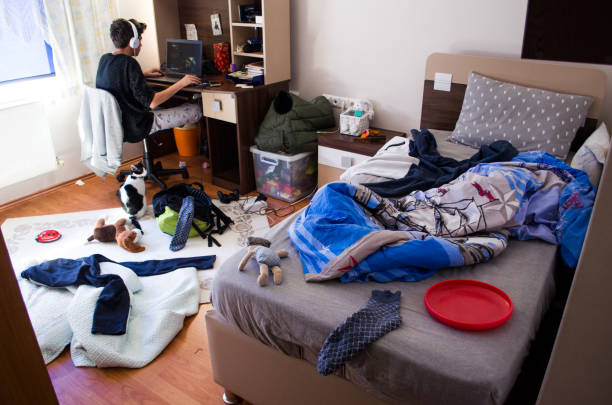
351, 233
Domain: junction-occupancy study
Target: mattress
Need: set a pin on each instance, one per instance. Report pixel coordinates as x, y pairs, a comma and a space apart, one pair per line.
423, 361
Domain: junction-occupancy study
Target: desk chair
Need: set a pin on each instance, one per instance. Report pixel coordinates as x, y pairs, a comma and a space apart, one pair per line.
154, 170
101, 136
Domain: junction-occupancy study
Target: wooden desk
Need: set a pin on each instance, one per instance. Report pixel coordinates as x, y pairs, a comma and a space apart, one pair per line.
232, 129
233, 115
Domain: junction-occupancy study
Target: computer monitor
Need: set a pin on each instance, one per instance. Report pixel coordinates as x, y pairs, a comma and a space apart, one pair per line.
183, 57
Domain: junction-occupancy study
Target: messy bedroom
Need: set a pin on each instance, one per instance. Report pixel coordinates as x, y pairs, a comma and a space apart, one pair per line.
280, 202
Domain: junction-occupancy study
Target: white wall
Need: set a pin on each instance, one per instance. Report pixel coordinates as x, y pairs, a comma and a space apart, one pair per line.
377, 49
62, 114
142, 10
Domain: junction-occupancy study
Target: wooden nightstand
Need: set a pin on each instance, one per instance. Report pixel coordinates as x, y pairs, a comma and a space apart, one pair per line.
337, 152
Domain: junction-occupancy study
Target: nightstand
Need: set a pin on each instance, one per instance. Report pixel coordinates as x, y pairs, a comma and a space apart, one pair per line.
337, 152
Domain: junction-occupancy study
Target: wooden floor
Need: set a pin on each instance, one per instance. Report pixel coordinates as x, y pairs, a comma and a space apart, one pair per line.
182, 373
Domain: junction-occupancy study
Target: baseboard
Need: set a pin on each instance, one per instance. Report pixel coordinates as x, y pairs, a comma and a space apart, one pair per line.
55, 187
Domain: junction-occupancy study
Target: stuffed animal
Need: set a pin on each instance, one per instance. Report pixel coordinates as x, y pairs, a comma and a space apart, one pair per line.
125, 238
128, 239
267, 258
132, 193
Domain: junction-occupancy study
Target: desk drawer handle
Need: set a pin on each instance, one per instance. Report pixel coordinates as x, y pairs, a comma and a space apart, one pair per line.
273, 162
216, 105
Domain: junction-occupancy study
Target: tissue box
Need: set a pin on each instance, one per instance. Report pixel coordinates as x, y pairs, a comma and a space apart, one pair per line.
352, 125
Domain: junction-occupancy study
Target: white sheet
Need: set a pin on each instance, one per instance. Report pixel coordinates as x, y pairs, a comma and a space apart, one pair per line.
393, 162
158, 307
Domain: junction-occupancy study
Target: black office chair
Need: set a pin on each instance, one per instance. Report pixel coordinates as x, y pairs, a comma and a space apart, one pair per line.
154, 169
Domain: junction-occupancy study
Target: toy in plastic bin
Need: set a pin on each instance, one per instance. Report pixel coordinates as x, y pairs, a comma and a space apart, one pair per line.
286, 177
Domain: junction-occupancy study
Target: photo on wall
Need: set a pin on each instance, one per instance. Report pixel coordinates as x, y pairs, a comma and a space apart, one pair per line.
215, 22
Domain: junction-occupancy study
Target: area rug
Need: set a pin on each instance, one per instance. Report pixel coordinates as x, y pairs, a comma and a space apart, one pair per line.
75, 227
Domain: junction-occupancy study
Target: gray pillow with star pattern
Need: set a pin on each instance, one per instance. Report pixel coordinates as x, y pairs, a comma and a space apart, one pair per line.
528, 118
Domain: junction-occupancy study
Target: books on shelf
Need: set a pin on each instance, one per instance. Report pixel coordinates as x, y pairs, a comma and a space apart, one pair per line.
255, 68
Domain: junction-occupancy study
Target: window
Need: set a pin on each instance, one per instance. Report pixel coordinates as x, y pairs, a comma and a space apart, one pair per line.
26, 53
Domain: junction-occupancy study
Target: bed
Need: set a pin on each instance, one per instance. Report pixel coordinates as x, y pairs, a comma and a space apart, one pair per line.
264, 342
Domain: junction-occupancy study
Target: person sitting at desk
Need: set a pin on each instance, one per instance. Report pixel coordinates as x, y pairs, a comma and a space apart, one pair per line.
121, 75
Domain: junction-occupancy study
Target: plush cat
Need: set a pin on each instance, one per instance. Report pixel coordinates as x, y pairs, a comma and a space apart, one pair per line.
132, 194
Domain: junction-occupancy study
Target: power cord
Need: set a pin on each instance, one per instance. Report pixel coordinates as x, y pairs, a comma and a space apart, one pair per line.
275, 211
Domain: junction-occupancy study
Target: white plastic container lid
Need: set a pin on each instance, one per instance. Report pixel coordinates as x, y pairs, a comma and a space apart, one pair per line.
278, 156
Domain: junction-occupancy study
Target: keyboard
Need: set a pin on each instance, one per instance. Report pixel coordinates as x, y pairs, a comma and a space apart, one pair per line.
199, 86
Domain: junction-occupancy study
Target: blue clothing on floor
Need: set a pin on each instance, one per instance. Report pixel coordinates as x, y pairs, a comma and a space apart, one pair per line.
113, 306
183, 225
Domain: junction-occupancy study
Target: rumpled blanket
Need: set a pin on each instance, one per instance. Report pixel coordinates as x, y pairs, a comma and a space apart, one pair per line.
435, 170
350, 232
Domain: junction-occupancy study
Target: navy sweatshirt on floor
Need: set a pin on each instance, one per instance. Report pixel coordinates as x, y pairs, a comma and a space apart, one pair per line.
113, 306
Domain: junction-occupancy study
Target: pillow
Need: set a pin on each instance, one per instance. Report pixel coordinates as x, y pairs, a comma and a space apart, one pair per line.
528, 118
591, 156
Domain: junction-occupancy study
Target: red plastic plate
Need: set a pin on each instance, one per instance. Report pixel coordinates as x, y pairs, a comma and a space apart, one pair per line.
468, 304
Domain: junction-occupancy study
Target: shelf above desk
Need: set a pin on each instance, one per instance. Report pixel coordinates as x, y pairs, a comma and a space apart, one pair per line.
250, 54
249, 25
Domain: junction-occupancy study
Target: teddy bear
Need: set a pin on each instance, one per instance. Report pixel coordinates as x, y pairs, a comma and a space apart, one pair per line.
125, 238
267, 258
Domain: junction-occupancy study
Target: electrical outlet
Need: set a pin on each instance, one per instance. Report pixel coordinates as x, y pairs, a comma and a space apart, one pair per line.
335, 101
341, 104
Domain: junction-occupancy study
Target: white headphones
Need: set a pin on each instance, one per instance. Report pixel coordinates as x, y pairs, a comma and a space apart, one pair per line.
134, 42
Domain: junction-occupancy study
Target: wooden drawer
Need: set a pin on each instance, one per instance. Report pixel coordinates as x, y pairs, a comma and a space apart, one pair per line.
221, 106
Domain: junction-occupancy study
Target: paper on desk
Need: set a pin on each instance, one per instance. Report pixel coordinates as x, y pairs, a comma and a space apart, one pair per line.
192, 33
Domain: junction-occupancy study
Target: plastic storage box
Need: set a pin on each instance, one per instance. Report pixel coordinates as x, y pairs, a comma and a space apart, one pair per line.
286, 177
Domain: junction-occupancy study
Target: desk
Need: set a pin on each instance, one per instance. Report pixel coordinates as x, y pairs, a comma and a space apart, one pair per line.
233, 116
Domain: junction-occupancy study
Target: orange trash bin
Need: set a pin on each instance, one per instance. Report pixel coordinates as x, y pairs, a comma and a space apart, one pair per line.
187, 141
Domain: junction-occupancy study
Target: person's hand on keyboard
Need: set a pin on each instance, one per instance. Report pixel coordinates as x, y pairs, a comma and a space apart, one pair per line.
189, 80
153, 73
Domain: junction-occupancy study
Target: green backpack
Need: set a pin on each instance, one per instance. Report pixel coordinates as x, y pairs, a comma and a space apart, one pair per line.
167, 223
207, 218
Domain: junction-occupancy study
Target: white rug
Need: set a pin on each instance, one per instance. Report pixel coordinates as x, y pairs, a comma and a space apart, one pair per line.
76, 227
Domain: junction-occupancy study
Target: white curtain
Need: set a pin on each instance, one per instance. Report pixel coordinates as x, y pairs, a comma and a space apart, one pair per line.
77, 30
91, 20
56, 26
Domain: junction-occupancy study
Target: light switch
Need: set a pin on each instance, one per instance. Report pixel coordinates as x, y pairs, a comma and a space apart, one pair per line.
442, 81
216, 105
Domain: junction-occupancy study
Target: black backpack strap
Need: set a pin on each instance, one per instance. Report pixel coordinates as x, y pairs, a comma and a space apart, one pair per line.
206, 234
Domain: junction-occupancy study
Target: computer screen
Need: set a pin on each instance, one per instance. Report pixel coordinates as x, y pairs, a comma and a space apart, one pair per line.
183, 57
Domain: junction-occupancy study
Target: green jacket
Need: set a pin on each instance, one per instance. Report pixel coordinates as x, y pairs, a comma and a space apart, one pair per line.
295, 131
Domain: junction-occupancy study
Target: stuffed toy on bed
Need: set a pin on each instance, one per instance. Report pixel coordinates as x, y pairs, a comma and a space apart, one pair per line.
267, 258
